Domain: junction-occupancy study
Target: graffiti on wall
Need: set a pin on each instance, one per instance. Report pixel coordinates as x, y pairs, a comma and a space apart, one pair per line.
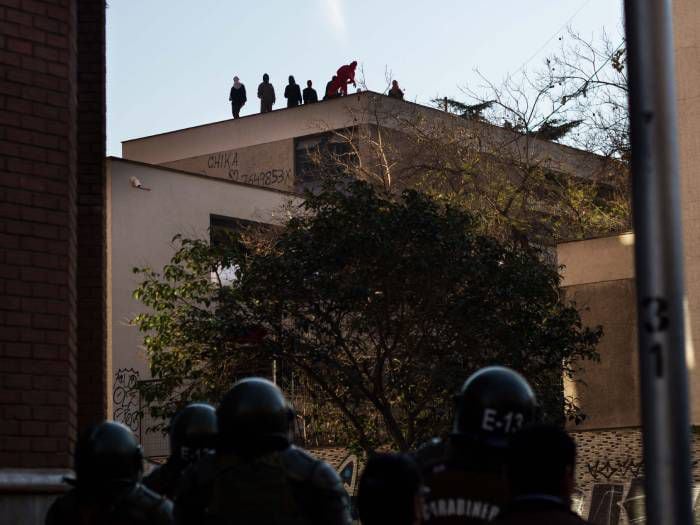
125, 398
224, 159
348, 473
616, 496
228, 162
624, 468
273, 177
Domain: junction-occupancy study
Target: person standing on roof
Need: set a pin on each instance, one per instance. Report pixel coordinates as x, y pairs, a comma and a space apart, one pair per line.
346, 75
266, 94
395, 91
292, 93
310, 95
331, 88
237, 97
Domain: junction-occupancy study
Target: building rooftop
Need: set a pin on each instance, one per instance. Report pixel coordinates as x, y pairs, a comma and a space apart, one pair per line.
366, 108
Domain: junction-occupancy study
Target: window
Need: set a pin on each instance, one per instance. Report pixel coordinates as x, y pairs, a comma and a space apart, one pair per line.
220, 227
319, 156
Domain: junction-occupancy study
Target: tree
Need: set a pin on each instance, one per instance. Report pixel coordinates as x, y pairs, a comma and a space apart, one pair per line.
578, 98
507, 159
381, 305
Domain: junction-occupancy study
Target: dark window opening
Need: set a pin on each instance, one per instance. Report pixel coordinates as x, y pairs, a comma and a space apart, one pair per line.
221, 227
322, 156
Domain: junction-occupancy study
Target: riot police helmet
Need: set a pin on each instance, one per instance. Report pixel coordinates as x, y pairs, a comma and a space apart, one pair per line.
254, 417
193, 430
494, 403
108, 452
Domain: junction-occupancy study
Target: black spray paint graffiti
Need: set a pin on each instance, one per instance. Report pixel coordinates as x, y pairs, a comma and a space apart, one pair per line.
262, 178
126, 398
223, 160
228, 160
625, 468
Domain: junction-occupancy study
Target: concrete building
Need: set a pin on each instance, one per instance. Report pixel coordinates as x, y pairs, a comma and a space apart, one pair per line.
68, 245
146, 206
599, 276
249, 169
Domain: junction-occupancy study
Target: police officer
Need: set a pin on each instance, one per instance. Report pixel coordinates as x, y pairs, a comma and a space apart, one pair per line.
256, 475
108, 467
465, 474
192, 434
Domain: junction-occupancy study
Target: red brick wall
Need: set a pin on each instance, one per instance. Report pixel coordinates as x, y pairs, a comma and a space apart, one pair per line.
39, 204
92, 365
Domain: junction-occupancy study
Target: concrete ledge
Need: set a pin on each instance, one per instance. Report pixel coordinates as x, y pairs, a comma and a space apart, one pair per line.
33, 481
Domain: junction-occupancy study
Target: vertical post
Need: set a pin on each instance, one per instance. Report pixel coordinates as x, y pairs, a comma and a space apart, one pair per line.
659, 262
445, 101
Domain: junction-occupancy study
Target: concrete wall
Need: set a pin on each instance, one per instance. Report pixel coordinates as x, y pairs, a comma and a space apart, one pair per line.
270, 165
244, 132
599, 278
362, 108
141, 225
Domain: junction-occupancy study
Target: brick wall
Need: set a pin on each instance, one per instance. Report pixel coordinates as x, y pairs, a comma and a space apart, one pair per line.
37, 234
92, 362
609, 465
39, 241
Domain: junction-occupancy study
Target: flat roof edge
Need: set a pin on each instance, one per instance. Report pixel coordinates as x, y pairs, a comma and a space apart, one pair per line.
254, 115
596, 237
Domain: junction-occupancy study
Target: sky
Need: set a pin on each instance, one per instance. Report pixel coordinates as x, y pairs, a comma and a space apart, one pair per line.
170, 63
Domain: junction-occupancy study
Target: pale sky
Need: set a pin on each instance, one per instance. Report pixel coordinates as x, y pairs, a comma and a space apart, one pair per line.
170, 63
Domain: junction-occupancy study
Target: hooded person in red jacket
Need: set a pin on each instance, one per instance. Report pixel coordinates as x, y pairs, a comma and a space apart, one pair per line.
346, 75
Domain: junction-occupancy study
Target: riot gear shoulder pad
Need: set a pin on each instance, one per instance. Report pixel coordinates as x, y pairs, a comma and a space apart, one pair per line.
158, 508
139, 506
325, 477
302, 466
298, 463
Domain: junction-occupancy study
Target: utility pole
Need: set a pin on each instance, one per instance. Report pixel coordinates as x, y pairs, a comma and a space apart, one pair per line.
659, 263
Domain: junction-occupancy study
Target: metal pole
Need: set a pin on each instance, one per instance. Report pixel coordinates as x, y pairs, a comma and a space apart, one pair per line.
659, 263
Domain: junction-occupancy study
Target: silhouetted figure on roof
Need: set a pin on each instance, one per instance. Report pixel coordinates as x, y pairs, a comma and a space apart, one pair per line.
292, 93
332, 88
266, 94
346, 75
395, 91
310, 95
237, 97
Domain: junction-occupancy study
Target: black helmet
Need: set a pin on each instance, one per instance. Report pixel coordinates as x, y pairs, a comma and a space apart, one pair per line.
493, 403
108, 452
254, 418
193, 430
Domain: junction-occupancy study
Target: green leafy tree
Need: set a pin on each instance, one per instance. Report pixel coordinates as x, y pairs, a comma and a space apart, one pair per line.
380, 306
